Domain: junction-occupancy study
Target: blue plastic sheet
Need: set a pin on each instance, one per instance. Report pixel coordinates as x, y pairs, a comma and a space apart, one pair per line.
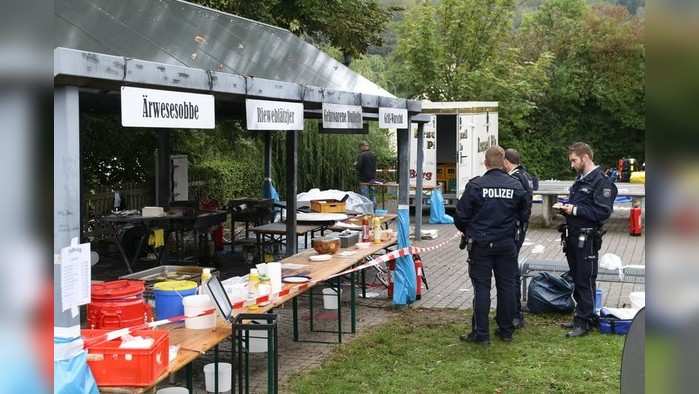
268, 190
404, 280
438, 214
73, 376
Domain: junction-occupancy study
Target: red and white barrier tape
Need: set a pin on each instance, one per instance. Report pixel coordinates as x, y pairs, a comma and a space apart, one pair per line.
266, 299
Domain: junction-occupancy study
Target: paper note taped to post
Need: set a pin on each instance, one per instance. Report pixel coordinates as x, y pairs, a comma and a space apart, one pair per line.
75, 275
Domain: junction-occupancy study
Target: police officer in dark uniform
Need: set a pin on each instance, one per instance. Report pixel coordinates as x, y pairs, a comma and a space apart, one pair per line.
487, 215
590, 205
514, 167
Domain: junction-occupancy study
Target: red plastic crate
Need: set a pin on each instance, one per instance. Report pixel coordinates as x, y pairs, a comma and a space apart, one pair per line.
112, 366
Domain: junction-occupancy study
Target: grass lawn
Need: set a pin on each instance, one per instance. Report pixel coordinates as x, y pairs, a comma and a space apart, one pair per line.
420, 352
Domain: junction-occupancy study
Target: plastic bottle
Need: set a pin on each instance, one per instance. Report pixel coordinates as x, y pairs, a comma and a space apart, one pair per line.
376, 226
253, 283
365, 229
265, 286
205, 276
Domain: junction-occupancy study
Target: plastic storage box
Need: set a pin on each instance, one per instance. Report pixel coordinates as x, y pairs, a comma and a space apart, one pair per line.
608, 325
112, 366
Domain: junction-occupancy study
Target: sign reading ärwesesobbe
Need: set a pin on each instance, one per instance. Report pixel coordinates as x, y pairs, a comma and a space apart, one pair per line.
338, 116
168, 109
273, 115
393, 118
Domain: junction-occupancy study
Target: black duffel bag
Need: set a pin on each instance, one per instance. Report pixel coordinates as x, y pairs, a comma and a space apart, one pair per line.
548, 293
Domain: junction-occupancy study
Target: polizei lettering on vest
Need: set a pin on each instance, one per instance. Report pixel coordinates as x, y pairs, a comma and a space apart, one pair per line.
278, 115
169, 110
498, 192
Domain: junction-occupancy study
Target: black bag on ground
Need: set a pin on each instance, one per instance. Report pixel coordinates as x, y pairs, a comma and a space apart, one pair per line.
548, 293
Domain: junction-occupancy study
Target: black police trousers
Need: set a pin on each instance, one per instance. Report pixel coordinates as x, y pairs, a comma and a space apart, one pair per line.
486, 258
583, 262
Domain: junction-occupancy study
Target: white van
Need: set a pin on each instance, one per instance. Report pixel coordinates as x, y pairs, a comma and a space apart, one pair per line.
455, 141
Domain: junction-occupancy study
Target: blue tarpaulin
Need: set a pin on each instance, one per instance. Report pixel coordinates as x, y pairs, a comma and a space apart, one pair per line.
268, 190
438, 214
72, 375
404, 280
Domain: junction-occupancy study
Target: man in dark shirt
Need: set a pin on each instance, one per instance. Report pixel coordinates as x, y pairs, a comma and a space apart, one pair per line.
487, 214
514, 167
590, 205
366, 171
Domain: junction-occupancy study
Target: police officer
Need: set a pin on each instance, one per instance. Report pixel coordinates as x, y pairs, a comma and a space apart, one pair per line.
590, 205
487, 214
514, 167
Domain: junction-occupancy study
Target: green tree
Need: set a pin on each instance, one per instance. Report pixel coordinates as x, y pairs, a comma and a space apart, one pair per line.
349, 25
461, 50
597, 83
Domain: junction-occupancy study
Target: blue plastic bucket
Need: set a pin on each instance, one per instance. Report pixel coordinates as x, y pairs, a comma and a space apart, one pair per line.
168, 300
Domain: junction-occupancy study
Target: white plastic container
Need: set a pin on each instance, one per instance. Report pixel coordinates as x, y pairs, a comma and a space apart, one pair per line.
638, 299
224, 377
329, 298
195, 305
172, 390
258, 340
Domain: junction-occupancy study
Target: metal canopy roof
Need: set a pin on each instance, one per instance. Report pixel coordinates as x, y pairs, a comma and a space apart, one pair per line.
183, 34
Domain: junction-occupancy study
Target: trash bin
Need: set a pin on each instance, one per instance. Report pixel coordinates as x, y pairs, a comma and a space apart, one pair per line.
224, 377
329, 298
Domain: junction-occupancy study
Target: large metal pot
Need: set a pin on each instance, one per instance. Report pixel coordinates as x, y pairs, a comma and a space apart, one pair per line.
326, 245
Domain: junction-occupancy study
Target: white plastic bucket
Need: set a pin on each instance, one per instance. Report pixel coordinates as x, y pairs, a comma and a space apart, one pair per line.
638, 299
195, 305
329, 298
224, 377
258, 340
172, 390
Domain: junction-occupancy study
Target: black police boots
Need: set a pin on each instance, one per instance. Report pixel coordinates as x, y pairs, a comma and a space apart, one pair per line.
578, 332
471, 337
504, 338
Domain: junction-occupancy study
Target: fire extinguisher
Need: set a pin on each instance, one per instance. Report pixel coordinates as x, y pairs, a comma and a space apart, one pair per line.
418, 276
635, 223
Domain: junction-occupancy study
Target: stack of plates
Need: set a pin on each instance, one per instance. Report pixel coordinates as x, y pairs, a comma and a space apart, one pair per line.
320, 257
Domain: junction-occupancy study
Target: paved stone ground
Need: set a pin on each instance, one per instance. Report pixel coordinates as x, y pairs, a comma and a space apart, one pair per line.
450, 287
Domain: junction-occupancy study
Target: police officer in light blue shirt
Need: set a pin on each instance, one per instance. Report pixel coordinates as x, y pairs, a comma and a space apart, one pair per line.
590, 205
487, 214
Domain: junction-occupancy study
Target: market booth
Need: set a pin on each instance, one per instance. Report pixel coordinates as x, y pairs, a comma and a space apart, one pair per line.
171, 64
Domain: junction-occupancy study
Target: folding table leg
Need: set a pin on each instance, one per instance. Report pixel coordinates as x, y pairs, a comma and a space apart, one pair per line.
122, 252
190, 383
310, 307
295, 318
339, 311
216, 369
353, 302
363, 273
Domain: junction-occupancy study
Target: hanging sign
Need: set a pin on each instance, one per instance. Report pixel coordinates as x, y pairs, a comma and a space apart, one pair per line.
393, 118
337, 116
167, 109
273, 115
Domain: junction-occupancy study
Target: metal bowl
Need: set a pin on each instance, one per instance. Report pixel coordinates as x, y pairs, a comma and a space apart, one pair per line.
326, 245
